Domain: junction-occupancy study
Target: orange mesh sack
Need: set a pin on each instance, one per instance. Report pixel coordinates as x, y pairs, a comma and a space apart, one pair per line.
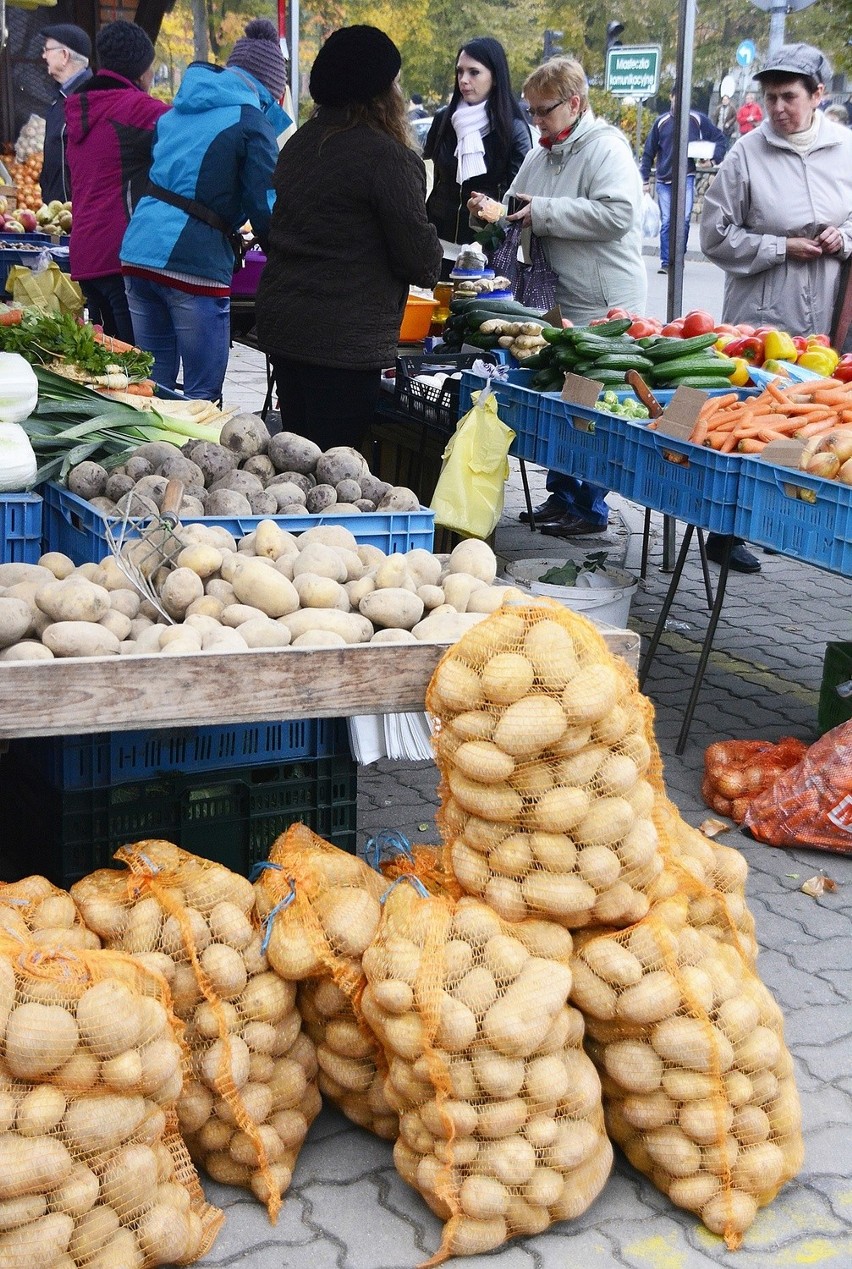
391, 854
736, 771
811, 804
252, 1097
697, 1081
92, 1169
501, 1127
36, 909
549, 775
321, 908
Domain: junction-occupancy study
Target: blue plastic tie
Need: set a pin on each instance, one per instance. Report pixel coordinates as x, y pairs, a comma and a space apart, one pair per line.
387, 844
271, 915
257, 869
414, 881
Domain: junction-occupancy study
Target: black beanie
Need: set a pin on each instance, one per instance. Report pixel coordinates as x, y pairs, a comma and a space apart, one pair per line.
124, 47
73, 37
356, 63
259, 53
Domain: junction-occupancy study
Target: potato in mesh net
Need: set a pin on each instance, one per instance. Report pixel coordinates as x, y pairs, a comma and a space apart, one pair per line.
321, 908
92, 1168
549, 770
697, 1081
252, 1095
501, 1128
34, 908
391, 854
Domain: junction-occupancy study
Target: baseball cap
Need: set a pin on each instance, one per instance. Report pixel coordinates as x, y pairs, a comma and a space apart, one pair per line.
797, 59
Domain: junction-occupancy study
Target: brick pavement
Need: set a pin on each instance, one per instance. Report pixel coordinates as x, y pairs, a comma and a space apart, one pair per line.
348, 1209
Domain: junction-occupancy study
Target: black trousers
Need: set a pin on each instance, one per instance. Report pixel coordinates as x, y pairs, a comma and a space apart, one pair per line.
106, 301
327, 405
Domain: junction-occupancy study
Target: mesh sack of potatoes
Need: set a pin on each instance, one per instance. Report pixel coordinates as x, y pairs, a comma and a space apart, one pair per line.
501, 1127
390, 853
321, 908
252, 1095
34, 908
92, 1169
548, 770
697, 1081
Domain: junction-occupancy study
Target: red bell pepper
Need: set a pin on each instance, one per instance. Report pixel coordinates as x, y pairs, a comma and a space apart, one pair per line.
800, 344
843, 369
823, 340
751, 348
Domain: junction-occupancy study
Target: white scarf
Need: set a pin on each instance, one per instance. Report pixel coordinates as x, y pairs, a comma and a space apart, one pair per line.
471, 124
807, 138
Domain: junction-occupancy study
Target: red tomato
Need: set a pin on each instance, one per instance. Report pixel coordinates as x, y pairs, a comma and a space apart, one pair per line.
698, 322
674, 328
642, 328
617, 312
566, 323
725, 328
744, 328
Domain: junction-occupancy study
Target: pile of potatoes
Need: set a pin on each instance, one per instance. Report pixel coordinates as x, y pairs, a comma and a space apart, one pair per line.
273, 589
248, 473
547, 805
252, 1095
321, 908
697, 1081
501, 1126
35, 910
91, 1168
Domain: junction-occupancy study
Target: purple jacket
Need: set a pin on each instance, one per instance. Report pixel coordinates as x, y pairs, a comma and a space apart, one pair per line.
110, 124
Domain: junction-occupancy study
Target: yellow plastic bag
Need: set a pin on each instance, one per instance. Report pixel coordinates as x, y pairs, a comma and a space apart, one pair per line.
468, 497
47, 290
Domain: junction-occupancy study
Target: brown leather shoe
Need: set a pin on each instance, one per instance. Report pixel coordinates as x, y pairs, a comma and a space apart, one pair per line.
569, 526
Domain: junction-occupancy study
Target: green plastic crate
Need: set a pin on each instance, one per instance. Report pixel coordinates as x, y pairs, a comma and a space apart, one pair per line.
231, 816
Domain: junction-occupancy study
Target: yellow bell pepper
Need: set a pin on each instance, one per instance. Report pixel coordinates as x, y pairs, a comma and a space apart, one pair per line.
780, 346
740, 376
724, 339
823, 361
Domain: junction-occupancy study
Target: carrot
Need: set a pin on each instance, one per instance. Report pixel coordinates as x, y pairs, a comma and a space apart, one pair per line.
776, 392
112, 344
751, 446
698, 435
814, 428
145, 389
729, 444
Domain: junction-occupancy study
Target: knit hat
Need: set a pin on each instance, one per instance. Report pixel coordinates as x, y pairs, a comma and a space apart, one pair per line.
356, 63
797, 59
259, 53
73, 37
124, 47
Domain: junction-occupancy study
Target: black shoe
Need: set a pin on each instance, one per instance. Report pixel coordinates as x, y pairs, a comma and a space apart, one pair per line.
664, 268
741, 561
552, 506
569, 526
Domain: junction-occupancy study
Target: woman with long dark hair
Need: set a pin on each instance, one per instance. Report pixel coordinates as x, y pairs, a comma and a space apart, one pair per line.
348, 236
477, 143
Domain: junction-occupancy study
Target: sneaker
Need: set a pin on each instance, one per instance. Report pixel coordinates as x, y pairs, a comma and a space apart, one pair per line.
571, 526
664, 268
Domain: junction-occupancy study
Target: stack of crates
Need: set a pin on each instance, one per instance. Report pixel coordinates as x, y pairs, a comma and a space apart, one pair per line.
225, 793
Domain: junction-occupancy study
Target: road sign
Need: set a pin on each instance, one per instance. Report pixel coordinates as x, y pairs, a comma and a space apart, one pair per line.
746, 53
633, 72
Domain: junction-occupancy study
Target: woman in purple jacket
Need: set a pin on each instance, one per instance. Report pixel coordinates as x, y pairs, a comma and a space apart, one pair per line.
110, 124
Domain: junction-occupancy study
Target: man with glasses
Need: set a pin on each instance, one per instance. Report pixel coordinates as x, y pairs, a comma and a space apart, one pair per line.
67, 52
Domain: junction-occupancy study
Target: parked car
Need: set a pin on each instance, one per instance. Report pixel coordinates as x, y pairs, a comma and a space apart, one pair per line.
420, 131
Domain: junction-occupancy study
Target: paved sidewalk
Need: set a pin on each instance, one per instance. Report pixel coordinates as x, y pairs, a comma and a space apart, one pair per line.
348, 1209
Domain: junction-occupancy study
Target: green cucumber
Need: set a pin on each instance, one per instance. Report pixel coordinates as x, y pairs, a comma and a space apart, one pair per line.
606, 343
474, 317
607, 377
616, 326
665, 349
540, 360
702, 381
721, 367
502, 308
622, 361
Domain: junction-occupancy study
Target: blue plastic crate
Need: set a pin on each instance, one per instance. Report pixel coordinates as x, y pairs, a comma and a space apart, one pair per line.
20, 528
664, 395
519, 408
17, 249
112, 758
696, 484
771, 513
79, 530
581, 441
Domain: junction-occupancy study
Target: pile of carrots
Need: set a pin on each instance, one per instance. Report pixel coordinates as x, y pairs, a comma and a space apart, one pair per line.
801, 410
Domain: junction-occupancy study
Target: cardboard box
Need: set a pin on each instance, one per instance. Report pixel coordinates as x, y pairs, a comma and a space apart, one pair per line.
10, 193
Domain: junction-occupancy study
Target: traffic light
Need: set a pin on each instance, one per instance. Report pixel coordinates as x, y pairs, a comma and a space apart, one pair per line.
613, 31
552, 47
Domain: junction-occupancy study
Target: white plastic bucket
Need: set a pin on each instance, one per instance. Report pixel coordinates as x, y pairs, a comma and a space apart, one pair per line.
604, 595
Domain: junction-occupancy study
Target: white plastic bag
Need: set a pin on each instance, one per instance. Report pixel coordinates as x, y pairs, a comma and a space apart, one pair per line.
650, 216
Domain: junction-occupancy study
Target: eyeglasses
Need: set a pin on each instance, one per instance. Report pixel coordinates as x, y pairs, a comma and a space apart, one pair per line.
548, 110
53, 48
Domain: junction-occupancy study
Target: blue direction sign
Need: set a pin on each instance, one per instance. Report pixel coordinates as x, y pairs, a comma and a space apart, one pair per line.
746, 53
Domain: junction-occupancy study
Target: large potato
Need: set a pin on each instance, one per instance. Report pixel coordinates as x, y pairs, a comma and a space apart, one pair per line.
73, 599
265, 588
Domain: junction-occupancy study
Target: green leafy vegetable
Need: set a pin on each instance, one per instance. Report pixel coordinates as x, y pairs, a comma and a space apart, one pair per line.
566, 574
44, 337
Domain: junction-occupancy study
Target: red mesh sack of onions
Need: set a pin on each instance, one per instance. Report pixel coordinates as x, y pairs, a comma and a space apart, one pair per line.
736, 771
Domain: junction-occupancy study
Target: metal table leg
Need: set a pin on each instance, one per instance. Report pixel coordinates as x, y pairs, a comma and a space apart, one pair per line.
666, 608
707, 645
527, 497
708, 585
646, 539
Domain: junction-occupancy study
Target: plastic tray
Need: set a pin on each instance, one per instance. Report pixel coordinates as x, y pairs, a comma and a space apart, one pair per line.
519, 408
772, 514
18, 254
231, 816
246, 279
79, 530
702, 489
435, 407
110, 758
581, 441
20, 528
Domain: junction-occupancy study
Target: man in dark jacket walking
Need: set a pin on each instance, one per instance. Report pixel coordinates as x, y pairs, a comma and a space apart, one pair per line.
67, 52
660, 146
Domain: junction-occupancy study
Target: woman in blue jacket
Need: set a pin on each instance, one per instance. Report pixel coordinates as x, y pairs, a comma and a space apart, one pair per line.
214, 155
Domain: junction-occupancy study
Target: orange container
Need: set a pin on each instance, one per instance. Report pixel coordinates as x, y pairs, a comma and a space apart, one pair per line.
416, 319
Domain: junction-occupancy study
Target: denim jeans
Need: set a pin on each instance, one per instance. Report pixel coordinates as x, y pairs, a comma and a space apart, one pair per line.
580, 498
179, 328
106, 300
664, 198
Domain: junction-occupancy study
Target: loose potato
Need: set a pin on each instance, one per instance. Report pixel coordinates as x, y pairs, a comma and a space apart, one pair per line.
73, 599
393, 607
16, 620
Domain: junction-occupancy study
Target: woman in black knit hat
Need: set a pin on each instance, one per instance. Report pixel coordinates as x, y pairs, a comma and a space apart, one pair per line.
348, 236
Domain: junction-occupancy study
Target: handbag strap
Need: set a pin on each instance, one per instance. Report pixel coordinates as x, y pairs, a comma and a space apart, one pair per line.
842, 317
193, 208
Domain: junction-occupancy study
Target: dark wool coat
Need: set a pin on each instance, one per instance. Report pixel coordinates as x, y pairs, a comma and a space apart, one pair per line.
447, 204
348, 236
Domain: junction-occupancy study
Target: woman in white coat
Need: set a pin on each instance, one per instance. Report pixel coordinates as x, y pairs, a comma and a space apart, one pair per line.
582, 197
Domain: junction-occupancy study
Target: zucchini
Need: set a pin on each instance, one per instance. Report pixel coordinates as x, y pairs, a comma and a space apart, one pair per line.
666, 349
502, 308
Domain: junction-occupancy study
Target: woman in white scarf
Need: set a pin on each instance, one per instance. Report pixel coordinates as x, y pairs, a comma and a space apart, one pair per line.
477, 142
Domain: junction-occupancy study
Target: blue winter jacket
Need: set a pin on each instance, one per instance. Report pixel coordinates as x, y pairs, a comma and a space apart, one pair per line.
215, 146
661, 143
